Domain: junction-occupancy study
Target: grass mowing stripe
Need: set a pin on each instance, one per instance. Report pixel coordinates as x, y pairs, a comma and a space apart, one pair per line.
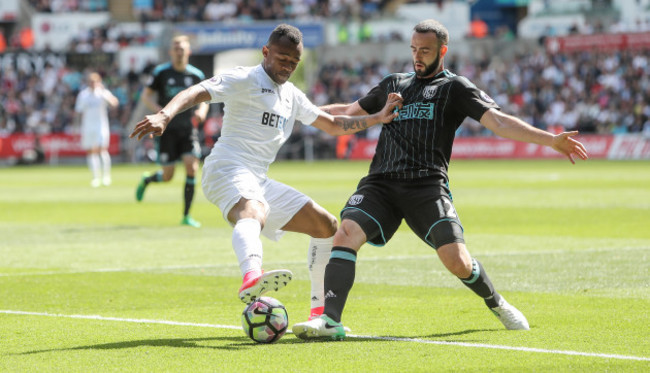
393, 339
298, 262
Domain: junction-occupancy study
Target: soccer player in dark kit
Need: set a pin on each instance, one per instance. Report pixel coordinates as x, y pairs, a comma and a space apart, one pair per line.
408, 177
181, 142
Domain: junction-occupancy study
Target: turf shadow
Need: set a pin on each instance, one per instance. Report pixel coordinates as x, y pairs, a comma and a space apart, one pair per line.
237, 343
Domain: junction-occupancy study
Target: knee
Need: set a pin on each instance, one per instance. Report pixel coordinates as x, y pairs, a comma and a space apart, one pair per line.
460, 268
327, 226
456, 259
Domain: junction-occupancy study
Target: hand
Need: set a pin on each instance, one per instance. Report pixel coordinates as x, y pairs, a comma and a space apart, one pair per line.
153, 125
198, 116
564, 143
391, 109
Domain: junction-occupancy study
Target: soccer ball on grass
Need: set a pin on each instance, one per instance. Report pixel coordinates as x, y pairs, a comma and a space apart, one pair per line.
265, 320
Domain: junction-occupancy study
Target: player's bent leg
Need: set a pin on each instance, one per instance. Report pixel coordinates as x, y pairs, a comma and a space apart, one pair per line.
255, 287
458, 261
191, 167
312, 220
139, 190
318, 223
145, 180
319, 328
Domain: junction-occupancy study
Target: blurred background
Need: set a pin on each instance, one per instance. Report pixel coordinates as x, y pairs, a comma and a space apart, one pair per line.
560, 65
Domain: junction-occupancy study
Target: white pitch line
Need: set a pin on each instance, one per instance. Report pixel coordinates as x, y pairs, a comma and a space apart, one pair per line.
395, 339
103, 318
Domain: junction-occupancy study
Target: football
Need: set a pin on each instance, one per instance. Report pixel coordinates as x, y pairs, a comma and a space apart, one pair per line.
265, 320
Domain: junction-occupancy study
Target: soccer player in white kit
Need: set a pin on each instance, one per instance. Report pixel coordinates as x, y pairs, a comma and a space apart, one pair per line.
261, 107
91, 108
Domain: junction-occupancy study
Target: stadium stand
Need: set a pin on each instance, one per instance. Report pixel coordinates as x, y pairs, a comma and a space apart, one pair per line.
596, 90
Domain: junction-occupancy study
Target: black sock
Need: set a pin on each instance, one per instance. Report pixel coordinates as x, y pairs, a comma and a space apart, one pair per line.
189, 194
339, 278
480, 283
156, 177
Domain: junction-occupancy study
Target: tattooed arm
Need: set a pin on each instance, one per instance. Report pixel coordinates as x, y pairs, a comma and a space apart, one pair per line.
344, 124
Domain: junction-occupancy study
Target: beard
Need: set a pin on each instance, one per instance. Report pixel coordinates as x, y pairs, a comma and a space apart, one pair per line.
428, 69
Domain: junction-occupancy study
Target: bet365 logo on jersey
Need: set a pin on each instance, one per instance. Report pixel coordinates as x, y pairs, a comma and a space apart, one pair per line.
273, 120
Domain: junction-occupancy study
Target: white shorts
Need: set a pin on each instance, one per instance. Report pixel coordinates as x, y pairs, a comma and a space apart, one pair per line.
94, 137
224, 184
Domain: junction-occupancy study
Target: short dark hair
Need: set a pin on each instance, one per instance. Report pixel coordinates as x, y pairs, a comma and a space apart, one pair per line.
283, 30
431, 25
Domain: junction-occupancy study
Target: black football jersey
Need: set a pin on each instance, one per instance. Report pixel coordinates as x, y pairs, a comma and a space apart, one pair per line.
168, 82
419, 141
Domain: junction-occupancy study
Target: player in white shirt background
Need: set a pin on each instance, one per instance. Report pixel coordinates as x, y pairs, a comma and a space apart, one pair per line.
91, 109
261, 107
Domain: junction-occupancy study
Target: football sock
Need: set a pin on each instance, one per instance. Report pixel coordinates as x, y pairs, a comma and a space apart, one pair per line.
93, 164
189, 194
106, 163
339, 278
247, 244
156, 177
319, 253
480, 283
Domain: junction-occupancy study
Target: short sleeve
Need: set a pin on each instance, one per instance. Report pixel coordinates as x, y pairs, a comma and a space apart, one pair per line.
153, 80
375, 100
306, 111
220, 86
471, 100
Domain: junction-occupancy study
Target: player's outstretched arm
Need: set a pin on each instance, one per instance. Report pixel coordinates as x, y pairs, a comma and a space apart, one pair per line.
337, 125
344, 109
508, 126
156, 124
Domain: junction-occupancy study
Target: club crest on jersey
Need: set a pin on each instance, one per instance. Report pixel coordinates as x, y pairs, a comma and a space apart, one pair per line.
355, 199
171, 81
188, 81
267, 90
429, 91
486, 98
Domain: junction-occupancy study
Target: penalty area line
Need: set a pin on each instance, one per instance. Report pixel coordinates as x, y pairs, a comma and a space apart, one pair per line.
393, 339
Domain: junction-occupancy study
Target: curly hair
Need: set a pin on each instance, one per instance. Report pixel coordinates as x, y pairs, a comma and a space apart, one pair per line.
283, 30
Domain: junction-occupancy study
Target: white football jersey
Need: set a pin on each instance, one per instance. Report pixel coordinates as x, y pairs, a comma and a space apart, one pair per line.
259, 115
93, 106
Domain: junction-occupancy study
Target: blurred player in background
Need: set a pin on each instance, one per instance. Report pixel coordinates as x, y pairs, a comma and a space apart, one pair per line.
261, 107
408, 177
91, 109
181, 142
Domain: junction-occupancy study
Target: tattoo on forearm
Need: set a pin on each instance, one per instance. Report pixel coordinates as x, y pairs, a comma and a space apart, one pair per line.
352, 123
327, 110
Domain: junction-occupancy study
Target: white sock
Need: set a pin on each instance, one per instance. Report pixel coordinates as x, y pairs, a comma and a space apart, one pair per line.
106, 163
93, 164
247, 244
318, 256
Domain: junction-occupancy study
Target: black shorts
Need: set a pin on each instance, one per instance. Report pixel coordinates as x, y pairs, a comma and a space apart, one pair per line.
379, 205
175, 143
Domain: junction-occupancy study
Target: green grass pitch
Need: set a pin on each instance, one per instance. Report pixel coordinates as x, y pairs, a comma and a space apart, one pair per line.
91, 281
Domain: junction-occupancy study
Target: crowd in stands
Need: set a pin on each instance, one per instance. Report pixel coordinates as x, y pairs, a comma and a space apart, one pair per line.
66, 6
223, 10
43, 102
591, 92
